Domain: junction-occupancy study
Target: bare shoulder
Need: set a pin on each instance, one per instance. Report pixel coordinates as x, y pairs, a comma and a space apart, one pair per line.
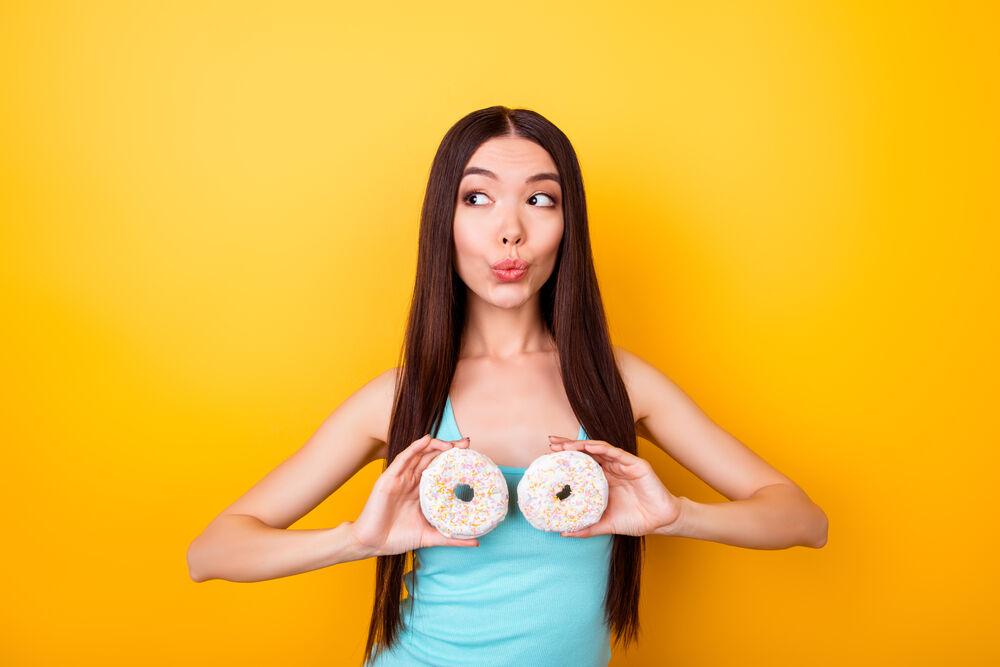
670, 419
371, 407
349, 438
366, 412
382, 393
650, 389
634, 370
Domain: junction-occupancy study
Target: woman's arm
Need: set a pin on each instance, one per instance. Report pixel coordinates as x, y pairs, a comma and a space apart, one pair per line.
766, 509
250, 539
773, 517
243, 548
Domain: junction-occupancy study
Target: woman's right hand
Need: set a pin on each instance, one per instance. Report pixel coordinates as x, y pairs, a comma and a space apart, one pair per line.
392, 521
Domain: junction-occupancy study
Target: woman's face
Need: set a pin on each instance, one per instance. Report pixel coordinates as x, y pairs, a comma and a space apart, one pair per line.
514, 212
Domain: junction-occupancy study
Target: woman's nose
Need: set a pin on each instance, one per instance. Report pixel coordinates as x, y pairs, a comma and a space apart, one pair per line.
512, 231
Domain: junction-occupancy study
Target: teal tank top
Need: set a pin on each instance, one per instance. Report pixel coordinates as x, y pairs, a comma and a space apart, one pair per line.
522, 597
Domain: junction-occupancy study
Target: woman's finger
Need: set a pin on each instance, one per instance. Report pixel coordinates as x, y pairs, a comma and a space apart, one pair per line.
606, 463
424, 461
430, 455
453, 542
602, 527
608, 451
608, 456
598, 447
412, 450
408, 451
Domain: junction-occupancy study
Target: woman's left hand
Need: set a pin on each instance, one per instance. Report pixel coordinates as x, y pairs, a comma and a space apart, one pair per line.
638, 503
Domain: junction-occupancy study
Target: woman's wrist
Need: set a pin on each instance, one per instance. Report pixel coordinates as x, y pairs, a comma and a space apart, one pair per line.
676, 527
348, 546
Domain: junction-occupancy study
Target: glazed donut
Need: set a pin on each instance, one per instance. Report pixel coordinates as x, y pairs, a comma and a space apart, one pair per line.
563, 491
455, 516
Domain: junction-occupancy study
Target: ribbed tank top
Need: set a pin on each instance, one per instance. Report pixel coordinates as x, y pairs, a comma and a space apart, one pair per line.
522, 597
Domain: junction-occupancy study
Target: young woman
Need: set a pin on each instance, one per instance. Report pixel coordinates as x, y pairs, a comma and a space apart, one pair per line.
507, 351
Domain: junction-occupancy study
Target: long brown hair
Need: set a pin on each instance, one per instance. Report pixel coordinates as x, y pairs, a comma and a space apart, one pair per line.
573, 313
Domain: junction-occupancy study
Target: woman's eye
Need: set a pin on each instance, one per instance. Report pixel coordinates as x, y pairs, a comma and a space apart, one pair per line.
468, 197
546, 201
534, 197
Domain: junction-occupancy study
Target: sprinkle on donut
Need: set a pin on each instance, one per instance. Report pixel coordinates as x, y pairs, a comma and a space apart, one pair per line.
548, 505
452, 516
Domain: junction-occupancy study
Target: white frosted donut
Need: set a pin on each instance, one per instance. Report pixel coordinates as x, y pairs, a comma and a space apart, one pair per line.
563, 491
451, 515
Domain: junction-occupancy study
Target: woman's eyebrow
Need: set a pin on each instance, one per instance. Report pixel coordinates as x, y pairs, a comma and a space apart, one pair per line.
546, 176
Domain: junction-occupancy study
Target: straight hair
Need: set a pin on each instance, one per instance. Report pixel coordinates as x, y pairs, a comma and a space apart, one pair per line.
573, 314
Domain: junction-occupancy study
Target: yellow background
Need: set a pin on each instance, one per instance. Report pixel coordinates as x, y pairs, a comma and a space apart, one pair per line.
209, 220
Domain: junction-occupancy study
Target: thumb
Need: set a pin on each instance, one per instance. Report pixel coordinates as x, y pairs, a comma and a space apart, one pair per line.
598, 528
455, 542
583, 532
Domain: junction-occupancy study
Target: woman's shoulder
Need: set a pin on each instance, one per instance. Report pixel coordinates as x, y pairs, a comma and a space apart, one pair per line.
633, 368
382, 389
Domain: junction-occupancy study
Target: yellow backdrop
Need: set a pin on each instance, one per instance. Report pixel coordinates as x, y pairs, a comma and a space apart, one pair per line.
209, 221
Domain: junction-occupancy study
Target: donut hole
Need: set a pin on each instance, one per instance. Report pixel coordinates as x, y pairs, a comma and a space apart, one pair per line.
564, 494
464, 492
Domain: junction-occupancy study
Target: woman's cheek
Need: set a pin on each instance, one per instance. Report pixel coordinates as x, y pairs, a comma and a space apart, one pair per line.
467, 251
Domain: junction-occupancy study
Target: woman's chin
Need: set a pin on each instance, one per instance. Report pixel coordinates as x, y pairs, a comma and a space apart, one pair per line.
510, 296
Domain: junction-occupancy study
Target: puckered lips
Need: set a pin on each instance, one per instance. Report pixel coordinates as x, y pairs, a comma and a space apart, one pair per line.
510, 269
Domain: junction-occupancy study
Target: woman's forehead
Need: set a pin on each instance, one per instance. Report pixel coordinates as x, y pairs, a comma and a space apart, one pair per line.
511, 156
